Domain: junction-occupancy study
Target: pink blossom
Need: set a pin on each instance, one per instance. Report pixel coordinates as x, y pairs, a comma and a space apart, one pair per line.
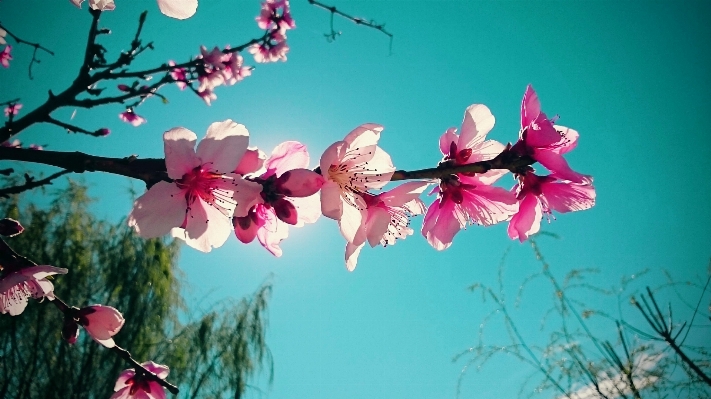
132, 385
3, 33
178, 75
12, 109
178, 9
5, 56
465, 198
213, 58
103, 132
16, 285
101, 322
352, 167
287, 197
387, 218
235, 71
199, 204
540, 195
134, 119
101, 5
271, 50
14, 144
544, 142
275, 13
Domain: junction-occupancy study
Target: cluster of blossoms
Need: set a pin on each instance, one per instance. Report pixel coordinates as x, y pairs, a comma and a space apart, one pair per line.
5, 56
224, 186
275, 18
19, 282
179, 9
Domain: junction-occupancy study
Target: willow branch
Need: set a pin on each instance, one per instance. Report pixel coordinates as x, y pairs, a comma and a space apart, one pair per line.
31, 183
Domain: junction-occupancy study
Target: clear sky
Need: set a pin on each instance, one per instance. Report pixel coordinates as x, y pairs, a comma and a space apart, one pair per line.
632, 77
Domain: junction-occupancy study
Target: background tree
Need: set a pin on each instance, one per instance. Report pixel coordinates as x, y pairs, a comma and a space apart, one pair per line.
213, 356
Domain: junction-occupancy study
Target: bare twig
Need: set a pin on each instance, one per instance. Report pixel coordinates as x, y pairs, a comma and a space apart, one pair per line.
36, 46
357, 20
31, 183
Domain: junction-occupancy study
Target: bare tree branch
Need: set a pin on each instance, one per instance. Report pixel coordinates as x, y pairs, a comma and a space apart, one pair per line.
357, 20
36, 46
31, 183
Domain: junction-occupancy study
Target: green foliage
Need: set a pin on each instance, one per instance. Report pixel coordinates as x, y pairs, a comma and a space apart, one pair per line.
213, 356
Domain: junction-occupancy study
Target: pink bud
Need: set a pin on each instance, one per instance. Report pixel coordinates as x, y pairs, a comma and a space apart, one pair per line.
285, 211
10, 227
123, 87
299, 183
103, 132
101, 322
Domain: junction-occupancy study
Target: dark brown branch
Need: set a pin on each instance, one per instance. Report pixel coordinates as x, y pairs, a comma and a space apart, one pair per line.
36, 46
499, 162
357, 20
149, 170
74, 129
31, 183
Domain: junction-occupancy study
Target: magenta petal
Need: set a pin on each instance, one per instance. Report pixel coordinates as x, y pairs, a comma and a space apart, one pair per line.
287, 156
477, 123
246, 227
123, 378
178, 9
158, 369
530, 106
446, 140
559, 166
568, 141
272, 233
487, 205
442, 222
179, 146
299, 183
223, 146
528, 219
568, 197
285, 211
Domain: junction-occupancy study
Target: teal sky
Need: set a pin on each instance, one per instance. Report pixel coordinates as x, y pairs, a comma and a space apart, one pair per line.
632, 77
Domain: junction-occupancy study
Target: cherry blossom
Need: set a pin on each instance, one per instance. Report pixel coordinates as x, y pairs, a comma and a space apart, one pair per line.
17, 285
101, 322
178, 9
388, 218
14, 144
465, 198
101, 5
219, 68
5, 56
351, 167
36, 147
199, 204
540, 195
132, 385
134, 119
275, 14
287, 197
272, 49
545, 142
3, 33
12, 109
178, 75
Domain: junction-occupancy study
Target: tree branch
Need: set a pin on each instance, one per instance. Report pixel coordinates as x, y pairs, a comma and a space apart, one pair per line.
357, 20
36, 46
31, 183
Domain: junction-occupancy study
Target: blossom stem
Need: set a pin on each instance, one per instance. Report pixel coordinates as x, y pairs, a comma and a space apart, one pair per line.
499, 162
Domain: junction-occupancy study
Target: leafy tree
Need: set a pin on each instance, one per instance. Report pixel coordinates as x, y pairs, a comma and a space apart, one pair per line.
213, 356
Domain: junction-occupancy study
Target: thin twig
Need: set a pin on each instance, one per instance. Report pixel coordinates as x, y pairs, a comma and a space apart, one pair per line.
31, 183
357, 20
36, 46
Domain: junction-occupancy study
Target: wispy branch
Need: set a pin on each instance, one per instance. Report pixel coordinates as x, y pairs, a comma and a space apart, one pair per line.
31, 183
357, 20
36, 46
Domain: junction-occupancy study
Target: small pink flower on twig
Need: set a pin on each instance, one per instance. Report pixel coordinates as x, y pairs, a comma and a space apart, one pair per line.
16, 286
178, 75
36, 147
5, 56
3, 33
14, 144
132, 385
13, 109
101, 322
129, 116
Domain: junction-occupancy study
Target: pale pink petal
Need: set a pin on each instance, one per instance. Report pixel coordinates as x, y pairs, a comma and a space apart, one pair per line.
487, 205
485, 151
157, 211
12, 280
252, 161
76, 3
122, 393
223, 146
404, 193
376, 225
207, 227
287, 156
528, 219
559, 166
446, 140
569, 139
179, 146
364, 135
568, 197
123, 378
351, 220
161, 371
272, 233
441, 224
179, 9
246, 195
331, 200
352, 252
331, 156
382, 163
308, 208
477, 123
530, 106
103, 323
157, 391
42, 271
299, 183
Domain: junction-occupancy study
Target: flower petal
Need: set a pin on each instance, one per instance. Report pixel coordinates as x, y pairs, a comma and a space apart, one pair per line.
477, 123
223, 146
528, 219
364, 135
568, 197
530, 106
206, 227
446, 140
488, 205
179, 9
377, 225
102, 323
252, 161
442, 223
331, 205
272, 233
179, 146
351, 220
246, 227
158, 210
246, 195
404, 193
158, 369
569, 139
287, 156
382, 170
352, 252
308, 208
559, 166
331, 156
